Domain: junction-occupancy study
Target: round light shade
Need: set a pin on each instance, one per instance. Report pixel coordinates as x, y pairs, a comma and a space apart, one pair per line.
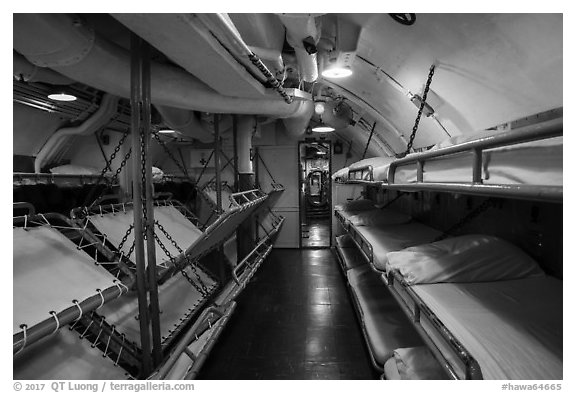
62, 97
323, 128
336, 72
319, 108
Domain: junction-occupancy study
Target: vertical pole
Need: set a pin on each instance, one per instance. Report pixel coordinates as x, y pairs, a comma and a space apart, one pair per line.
235, 136
220, 253
369, 139
136, 105
217, 163
149, 203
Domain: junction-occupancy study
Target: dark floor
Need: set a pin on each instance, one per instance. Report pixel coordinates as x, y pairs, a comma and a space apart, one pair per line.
316, 233
293, 321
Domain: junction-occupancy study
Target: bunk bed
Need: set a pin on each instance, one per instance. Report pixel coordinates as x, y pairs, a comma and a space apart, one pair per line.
524, 163
477, 320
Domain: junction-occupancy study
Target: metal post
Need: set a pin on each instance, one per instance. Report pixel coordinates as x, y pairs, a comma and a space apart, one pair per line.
136, 105
149, 203
217, 162
369, 139
235, 157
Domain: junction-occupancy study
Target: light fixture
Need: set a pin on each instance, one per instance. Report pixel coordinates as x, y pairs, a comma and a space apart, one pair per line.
319, 108
62, 96
322, 128
336, 71
166, 131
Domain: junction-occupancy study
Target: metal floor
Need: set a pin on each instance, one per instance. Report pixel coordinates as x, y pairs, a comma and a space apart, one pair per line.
294, 321
316, 233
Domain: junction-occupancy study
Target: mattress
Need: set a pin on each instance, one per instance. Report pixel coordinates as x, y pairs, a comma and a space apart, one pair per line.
49, 272
182, 231
380, 167
177, 297
395, 238
532, 163
64, 356
385, 324
512, 328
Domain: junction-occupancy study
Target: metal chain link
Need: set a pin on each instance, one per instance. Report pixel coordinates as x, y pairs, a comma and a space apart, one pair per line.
143, 197
169, 153
484, 206
422, 104
128, 231
204, 289
107, 167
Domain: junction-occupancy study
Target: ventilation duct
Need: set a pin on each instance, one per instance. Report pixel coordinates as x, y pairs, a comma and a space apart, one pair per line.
28, 72
77, 53
185, 122
108, 108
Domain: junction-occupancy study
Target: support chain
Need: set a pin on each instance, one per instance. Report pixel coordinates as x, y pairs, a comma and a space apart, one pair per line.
400, 195
170, 155
271, 78
203, 288
143, 197
419, 115
124, 239
483, 207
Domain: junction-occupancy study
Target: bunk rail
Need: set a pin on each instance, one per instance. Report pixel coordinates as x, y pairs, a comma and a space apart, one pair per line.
455, 359
77, 308
59, 179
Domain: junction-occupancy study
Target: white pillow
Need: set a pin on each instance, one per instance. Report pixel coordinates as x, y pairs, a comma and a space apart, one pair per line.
71, 169
417, 363
341, 173
469, 258
356, 205
379, 218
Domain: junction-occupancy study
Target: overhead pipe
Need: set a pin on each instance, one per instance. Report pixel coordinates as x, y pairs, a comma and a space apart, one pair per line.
186, 122
275, 57
106, 66
223, 23
25, 71
303, 36
108, 108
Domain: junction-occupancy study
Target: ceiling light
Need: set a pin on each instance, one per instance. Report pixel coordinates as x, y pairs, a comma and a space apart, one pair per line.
61, 96
323, 128
336, 72
319, 108
166, 131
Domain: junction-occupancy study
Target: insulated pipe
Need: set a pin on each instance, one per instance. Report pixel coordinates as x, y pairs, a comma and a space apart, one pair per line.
25, 71
301, 28
246, 126
185, 122
108, 108
106, 66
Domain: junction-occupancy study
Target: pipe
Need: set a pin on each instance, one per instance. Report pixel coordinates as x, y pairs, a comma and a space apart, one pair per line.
108, 108
273, 56
246, 126
186, 122
296, 126
106, 66
25, 71
303, 35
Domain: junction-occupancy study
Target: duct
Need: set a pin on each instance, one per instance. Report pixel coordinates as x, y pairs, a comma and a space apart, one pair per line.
296, 126
246, 127
303, 37
107, 67
28, 72
186, 122
108, 108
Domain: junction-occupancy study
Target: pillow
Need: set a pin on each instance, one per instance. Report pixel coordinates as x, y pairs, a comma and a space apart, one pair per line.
417, 363
469, 258
341, 174
70, 169
157, 174
379, 218
356, 205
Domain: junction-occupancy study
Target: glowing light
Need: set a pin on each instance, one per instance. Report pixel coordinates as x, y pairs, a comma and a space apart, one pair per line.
62, 97
336, 72
323, 128
166, 131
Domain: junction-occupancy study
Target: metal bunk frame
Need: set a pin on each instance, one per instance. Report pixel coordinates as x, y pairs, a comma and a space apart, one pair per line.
73, 313
549, 129
417, 312
421, 315
58, 179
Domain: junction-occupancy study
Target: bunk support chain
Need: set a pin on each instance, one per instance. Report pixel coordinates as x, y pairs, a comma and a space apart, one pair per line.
419, 115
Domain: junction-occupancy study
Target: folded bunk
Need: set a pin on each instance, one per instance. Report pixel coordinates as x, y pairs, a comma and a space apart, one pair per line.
59, 278
484, 308
525, 163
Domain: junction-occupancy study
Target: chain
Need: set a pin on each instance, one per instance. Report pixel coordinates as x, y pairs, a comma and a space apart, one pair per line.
422, 104
143, 197
400, 194
271, 78
487, 204
169, 153
128, 231
192, 267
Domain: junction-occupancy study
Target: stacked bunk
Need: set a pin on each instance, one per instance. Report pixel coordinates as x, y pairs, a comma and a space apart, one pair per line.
86, 280
524, 163
481, 307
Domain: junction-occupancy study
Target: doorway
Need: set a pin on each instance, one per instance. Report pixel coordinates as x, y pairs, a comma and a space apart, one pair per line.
315, 167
